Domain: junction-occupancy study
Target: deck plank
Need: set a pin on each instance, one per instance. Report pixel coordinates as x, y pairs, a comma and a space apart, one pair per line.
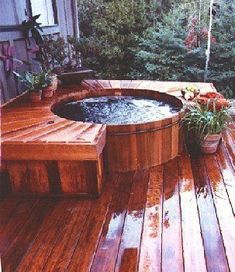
150, 251
68, 235
7, 209
11, 226
128, 254
191, 231
84, 253
172, 251
213, 243
84, 235
107, 250
230, 146
43, 242
228, 174
223, 209
12, 257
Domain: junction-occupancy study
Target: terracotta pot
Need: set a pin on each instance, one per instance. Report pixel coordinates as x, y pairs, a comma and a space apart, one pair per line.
35, 96
50, 90
210, 143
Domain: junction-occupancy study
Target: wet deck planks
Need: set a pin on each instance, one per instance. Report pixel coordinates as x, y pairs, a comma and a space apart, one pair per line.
176, 217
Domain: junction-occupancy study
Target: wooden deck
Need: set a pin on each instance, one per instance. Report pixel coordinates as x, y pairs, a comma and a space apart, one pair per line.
175, 217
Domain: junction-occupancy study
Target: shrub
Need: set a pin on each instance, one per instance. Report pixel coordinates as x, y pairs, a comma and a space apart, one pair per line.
114, 26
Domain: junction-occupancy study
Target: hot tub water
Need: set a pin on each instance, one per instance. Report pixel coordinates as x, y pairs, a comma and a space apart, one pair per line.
114, 110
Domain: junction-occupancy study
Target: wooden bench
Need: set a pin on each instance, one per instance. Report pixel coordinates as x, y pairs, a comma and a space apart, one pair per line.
45, 154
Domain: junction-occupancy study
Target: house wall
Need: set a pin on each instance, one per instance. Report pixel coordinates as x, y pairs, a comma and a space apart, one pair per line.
12, 13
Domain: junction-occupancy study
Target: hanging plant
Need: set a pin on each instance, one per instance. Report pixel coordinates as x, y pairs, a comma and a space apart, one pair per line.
30, 25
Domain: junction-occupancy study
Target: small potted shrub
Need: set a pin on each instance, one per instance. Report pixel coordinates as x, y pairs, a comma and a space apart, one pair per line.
52, 83
206, 123
34, 84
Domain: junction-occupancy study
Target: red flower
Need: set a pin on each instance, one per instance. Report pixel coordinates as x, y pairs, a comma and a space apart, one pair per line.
213, 100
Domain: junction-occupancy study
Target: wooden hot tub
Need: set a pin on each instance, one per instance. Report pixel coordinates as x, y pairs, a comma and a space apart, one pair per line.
140, 145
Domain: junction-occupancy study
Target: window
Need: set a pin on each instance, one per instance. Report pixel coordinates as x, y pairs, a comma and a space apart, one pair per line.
47, 9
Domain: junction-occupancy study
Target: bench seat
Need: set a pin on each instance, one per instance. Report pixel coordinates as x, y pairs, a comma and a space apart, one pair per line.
45, 154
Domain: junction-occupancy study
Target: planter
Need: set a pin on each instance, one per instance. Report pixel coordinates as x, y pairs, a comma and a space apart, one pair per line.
50, 90
210, 143
35, 96
76, 77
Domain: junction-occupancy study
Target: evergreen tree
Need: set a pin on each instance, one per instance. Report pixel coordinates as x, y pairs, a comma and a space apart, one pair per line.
222, 64
175, 48
116, 26
159, 40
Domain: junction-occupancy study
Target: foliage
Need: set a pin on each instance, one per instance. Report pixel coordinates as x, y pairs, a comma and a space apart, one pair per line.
60, 56
168, 52
114, 27
168, 41
162, 53
34, 82
54, 52
204, 120
222, 64
30, 25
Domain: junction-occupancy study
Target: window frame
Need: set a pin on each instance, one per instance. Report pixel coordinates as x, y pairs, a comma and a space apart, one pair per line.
14, 32
54, 8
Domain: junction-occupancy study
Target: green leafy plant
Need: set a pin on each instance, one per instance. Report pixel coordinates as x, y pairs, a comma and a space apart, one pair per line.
34, 82
62, 56
54, 53
30, 25
115, 26
206, 120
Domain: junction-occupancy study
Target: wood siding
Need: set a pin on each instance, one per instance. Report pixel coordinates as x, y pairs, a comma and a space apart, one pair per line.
12, 13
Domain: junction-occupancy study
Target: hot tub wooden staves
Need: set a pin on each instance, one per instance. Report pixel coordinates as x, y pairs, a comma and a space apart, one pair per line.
44, 154
138, 146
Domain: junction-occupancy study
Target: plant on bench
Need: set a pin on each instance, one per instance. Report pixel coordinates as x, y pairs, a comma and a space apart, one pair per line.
38, 84
64, 58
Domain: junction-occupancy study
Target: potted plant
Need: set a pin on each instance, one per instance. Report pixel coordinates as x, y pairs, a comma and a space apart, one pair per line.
64, 59
206, 123
34, 83
52, 83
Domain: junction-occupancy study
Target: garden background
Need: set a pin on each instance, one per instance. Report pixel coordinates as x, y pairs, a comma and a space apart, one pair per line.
159, 40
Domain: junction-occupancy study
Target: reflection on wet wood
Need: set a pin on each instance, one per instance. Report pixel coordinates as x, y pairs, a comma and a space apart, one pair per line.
128, 254
150, 254
191, 233
213, 242
223, 208
172, 250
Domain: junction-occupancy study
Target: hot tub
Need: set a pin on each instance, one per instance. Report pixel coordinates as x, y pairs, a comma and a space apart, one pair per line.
149, 133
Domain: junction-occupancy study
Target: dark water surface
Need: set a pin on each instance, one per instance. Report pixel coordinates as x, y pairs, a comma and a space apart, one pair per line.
116, 110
